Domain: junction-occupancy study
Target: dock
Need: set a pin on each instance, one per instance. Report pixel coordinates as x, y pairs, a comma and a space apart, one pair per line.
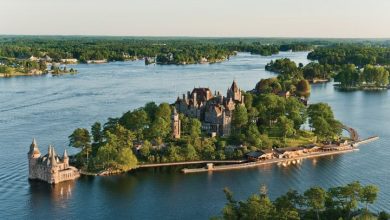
210, 166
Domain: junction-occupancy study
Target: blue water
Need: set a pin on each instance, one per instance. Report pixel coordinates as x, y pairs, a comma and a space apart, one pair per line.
50, 108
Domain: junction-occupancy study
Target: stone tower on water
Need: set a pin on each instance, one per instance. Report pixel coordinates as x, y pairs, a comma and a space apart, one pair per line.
176, 124
50, 167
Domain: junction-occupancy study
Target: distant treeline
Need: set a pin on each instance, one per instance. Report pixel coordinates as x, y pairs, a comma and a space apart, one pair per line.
168, 50
357, 54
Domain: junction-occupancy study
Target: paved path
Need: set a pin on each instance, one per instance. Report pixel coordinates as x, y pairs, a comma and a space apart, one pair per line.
270, 161
191, 162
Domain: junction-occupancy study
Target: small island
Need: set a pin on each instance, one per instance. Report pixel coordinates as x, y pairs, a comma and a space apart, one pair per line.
33, 66
347, 76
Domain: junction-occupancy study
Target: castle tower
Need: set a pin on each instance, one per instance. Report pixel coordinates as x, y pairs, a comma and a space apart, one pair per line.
234, 92
176, 125
33, 155
66, 159
53, 178
34, 150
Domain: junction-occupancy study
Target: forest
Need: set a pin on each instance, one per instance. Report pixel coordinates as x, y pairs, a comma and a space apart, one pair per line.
357, 54
167, 50
349, 202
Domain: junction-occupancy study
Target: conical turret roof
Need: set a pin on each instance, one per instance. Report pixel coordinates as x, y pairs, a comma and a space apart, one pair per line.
53, 161
34, 147
234, 86
65, 154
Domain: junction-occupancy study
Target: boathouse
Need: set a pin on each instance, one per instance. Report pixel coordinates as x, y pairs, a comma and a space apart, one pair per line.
260, 155
310, 148
289, 152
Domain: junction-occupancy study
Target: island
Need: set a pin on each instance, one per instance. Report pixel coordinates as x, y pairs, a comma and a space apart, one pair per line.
356, 66
240, 129
347, 76
32, 66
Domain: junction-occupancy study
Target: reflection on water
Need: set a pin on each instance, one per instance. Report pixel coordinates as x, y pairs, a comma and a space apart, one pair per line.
56, 193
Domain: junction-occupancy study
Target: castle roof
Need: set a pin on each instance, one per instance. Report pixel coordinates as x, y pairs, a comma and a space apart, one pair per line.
65, 154
202, 94
53, 160
234, 86
34, 148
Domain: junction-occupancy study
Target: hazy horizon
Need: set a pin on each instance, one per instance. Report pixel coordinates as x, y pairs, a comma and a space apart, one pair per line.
198, 18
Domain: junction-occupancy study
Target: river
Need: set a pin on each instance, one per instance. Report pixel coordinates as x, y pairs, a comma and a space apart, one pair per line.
50, 108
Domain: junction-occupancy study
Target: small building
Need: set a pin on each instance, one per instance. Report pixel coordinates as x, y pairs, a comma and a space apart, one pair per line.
96, 61
310, 148
32, 58
260, 155
46, 58
50, 168
289, 152
69, 61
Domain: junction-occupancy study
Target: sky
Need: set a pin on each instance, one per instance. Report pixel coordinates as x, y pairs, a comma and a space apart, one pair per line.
204, 18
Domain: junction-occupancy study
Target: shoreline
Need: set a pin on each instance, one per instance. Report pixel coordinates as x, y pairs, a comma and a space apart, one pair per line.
351, 148
265, 162
237, 164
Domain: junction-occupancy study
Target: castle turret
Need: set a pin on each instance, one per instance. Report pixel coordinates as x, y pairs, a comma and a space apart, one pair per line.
176, 125
33, 155
234, 92
52, 157
34, 150
66, 159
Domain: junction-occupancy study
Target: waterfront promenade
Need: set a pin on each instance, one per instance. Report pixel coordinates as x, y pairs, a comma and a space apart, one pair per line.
351, 148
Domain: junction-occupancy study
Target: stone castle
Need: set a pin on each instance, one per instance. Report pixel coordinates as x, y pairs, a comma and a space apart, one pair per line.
50, 167
215, 111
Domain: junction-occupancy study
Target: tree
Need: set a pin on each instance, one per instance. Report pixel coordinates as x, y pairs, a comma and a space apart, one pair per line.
315, 199
135, 121
116, 153
159, 129
253, 135
303, 88
285, 126
189, 152
151, 108
145, 150
125, 159
164, 111
97, 133
349, 76
256, 207
270, 85
230, 211
195, 128
296, 111
240, 117
321, 118
80, 138
368, 195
